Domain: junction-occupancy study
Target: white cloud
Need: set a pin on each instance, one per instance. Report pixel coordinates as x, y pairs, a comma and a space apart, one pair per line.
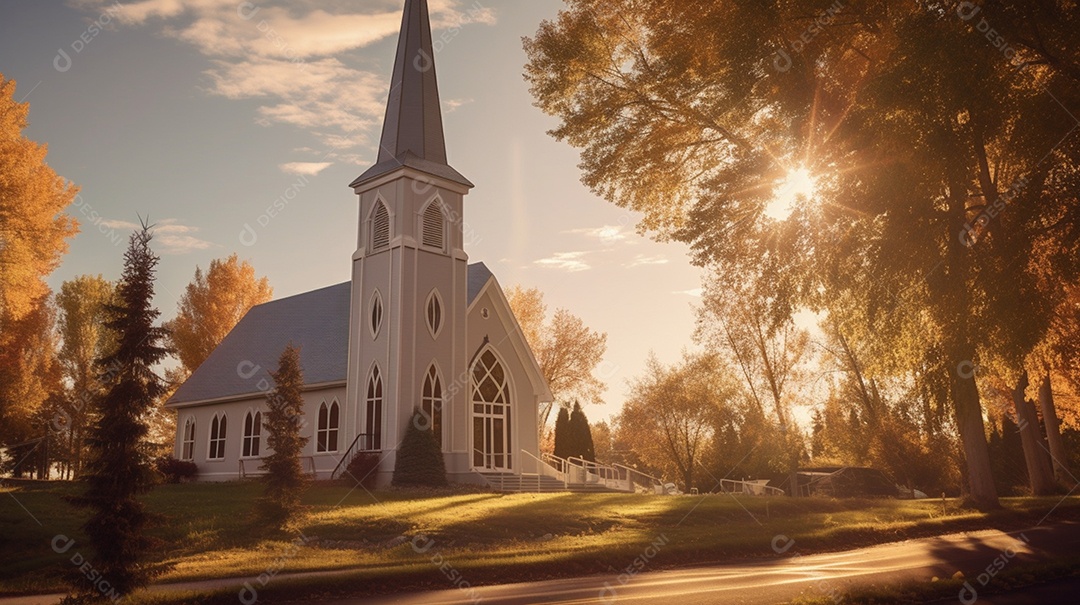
642, 260
171, 237
175, 245
111, 224
571, 262
304, 168
696, 292
285, 55
452, 105
608, 234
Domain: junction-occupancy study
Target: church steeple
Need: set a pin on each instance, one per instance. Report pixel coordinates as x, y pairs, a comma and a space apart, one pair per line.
413, 130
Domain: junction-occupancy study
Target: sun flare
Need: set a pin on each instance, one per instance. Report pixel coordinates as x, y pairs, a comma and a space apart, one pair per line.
798, 185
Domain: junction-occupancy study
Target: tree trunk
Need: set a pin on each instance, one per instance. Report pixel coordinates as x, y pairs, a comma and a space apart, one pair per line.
969, 420
1040, 475
1053, 432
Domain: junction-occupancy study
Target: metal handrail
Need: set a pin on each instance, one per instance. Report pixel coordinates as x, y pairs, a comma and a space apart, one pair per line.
633, 471
558, 474
749, 488
607, 475
349, 453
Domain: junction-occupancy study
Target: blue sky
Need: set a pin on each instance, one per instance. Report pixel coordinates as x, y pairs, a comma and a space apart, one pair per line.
206, 114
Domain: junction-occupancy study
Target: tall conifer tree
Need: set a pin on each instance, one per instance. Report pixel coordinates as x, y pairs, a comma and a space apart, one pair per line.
119, 466
285, 480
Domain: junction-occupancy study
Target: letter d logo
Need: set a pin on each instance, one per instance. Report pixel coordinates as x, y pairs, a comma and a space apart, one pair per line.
62, 62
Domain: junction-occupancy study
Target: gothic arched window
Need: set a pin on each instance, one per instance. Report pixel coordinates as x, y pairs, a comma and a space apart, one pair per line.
431, 402
373, 426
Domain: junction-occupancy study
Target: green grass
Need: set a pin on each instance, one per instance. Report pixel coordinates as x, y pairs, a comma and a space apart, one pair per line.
207, 531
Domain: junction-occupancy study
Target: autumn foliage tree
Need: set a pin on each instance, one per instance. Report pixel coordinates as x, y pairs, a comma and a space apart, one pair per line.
946, 188
213, 303
567, 350
33, 236
82, 304
670, 418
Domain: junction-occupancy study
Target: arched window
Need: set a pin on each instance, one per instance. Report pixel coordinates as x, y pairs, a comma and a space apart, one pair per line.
434, 228
374, 410
431, 402
380, 227
376, 314
492, 448
326, 437
188, 448
217, 437
252, 434
434, 313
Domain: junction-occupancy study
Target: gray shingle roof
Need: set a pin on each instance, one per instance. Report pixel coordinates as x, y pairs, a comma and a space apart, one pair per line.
316, 321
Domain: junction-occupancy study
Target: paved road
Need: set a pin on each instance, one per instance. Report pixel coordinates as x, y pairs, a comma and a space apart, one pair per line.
764, 583
786, 579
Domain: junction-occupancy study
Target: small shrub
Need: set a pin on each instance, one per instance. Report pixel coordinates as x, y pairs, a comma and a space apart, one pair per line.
363, 469
176, 471
419, 459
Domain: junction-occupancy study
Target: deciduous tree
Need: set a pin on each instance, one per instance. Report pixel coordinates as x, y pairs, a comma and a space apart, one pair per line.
83, 304
944, 179
770, 355
34, 230
213, 303
567, 350
669, 419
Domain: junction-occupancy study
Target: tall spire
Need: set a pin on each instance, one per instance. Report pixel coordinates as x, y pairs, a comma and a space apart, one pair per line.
413, 130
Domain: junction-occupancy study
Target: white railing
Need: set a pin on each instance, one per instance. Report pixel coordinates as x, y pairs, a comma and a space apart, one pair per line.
758, 487
545, 468
575, 471
648, 483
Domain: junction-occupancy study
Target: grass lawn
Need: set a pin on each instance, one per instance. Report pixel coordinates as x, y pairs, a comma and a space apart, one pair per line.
208, 531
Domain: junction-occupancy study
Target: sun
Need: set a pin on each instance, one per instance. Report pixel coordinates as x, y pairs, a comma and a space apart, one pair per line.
798, 186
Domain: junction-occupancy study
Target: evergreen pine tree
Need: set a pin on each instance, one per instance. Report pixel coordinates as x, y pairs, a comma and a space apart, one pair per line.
563, 438
285, 480
419, 459
118, 468
581, 435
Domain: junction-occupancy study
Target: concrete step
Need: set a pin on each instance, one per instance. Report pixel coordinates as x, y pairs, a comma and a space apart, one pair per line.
510, 483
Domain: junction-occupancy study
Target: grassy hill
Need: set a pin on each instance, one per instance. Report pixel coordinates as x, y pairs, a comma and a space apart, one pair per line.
387, 540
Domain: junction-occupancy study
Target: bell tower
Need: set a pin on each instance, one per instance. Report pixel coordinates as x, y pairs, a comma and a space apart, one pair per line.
409, 271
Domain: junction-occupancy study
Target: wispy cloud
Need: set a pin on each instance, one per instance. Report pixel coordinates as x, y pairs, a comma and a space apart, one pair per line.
175, 238
294, 57
304, 168
607, 234
571, 262
452, 105
171, 237
642, 260
116, 224
696, 292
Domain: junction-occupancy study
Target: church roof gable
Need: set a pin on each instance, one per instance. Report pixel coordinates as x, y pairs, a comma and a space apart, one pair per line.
316, 321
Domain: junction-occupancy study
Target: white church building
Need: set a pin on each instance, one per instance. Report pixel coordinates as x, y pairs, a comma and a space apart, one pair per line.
416, 327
